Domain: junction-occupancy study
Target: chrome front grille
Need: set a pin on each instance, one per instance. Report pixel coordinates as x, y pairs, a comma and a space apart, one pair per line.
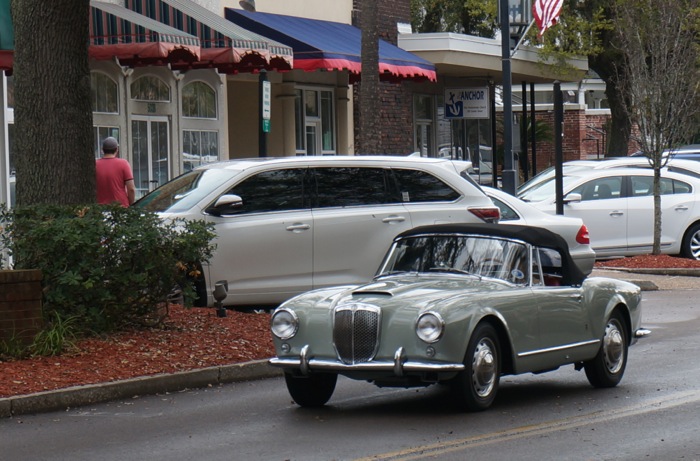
356, 332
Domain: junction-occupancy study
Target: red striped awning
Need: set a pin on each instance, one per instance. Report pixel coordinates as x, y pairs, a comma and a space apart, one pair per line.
224, 45
117, 32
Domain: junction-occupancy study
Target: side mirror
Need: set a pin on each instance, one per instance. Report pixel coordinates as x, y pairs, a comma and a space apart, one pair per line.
572, 198
226, 204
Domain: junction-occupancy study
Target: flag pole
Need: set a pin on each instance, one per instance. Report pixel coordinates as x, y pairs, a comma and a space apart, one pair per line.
522, 37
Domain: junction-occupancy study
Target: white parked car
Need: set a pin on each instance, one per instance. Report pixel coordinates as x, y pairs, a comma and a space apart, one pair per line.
617, 205
291, 224
573, 230
679, 165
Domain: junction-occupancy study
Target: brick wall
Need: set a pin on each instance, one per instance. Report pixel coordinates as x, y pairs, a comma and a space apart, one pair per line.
20, 305
579, 139
396, 116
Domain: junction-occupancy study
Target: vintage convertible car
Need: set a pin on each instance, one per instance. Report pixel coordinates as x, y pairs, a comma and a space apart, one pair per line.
460, 304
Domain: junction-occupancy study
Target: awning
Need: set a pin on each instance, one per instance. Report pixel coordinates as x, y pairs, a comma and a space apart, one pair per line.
117, 32
224, 45
6, 60
6, 36
331, 45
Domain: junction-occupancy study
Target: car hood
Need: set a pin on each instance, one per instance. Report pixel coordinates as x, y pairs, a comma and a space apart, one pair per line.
421, 292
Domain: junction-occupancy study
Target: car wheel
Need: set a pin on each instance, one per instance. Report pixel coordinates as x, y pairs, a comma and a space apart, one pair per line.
475, 388
608, 366
691, 243
313, 390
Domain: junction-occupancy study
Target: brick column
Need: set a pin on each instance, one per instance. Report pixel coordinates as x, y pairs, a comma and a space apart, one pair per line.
20, 305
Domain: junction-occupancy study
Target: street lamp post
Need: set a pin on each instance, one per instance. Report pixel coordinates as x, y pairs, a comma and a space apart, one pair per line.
509, 178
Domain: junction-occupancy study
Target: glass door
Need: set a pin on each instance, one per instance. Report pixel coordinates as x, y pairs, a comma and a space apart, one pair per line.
150, 146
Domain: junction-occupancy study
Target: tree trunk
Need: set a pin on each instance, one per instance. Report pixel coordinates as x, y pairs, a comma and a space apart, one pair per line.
53, 143
370, 136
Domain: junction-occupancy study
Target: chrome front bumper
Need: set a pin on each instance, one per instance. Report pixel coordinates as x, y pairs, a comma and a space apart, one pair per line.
399, 366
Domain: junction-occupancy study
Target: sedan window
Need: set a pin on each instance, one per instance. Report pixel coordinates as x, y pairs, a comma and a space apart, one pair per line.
600, 189
507, 213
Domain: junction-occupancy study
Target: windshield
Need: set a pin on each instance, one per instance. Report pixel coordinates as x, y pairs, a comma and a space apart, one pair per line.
473, 254
184, 192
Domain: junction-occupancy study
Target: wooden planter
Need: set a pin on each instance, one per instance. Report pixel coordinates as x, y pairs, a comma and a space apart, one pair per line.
20, 305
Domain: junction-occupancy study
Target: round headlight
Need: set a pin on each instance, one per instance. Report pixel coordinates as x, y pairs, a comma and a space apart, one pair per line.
430, 327
284, 324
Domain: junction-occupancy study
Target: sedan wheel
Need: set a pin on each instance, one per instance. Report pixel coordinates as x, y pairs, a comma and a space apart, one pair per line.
608, 366
691, 243
313, 390
475, 387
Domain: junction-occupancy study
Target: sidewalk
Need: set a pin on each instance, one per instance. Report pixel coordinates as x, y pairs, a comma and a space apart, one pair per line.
62, 399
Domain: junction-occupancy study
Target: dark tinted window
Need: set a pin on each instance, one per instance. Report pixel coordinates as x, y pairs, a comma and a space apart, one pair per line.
278, 190
351, 186
419, 186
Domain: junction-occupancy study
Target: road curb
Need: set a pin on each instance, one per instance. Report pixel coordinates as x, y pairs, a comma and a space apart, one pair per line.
63, 399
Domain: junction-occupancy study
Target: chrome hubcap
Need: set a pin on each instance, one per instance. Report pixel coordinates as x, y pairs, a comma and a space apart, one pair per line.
695, 245
613, 347
484, 368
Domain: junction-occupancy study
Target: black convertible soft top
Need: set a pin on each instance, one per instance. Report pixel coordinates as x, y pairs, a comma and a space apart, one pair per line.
537, 236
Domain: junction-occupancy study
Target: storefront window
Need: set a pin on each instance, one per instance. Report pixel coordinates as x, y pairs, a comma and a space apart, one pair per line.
102, 132
424, 119
150, 88
199, 147
198, 101
315, 121
105, 93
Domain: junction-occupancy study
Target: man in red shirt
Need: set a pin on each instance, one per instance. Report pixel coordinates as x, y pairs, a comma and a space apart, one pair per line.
115, 182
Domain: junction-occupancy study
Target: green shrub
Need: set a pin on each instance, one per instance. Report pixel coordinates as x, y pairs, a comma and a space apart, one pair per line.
105, 266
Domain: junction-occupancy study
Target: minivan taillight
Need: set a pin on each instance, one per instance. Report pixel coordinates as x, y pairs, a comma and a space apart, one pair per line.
487, 214
582, 236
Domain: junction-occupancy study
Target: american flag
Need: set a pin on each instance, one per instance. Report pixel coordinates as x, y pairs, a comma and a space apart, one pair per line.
546, 13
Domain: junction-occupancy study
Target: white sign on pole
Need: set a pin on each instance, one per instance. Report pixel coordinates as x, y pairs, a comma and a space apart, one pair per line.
266, 100
467, 102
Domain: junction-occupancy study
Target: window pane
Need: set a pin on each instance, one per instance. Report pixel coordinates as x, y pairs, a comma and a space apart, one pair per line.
105, 94
102, 132
419, 186
150, 89
299, 121
311, 103
327, 121
279, 190
199, 147
424, 107
10, 92
340, 186
198, 100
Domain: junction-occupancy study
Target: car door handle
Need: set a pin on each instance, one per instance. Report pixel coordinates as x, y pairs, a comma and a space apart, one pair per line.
393, 219
616, 213
681, 208
298, 227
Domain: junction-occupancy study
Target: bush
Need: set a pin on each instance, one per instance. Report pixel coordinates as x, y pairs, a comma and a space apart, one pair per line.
104, 266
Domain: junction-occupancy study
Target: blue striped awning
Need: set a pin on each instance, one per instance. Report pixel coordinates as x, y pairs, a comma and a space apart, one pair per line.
224, 45
331, 45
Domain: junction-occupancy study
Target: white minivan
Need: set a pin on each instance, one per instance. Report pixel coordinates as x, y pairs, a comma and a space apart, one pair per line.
290, 224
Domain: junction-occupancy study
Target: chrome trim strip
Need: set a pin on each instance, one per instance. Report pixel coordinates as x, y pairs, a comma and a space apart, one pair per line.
559, 348
319, 364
